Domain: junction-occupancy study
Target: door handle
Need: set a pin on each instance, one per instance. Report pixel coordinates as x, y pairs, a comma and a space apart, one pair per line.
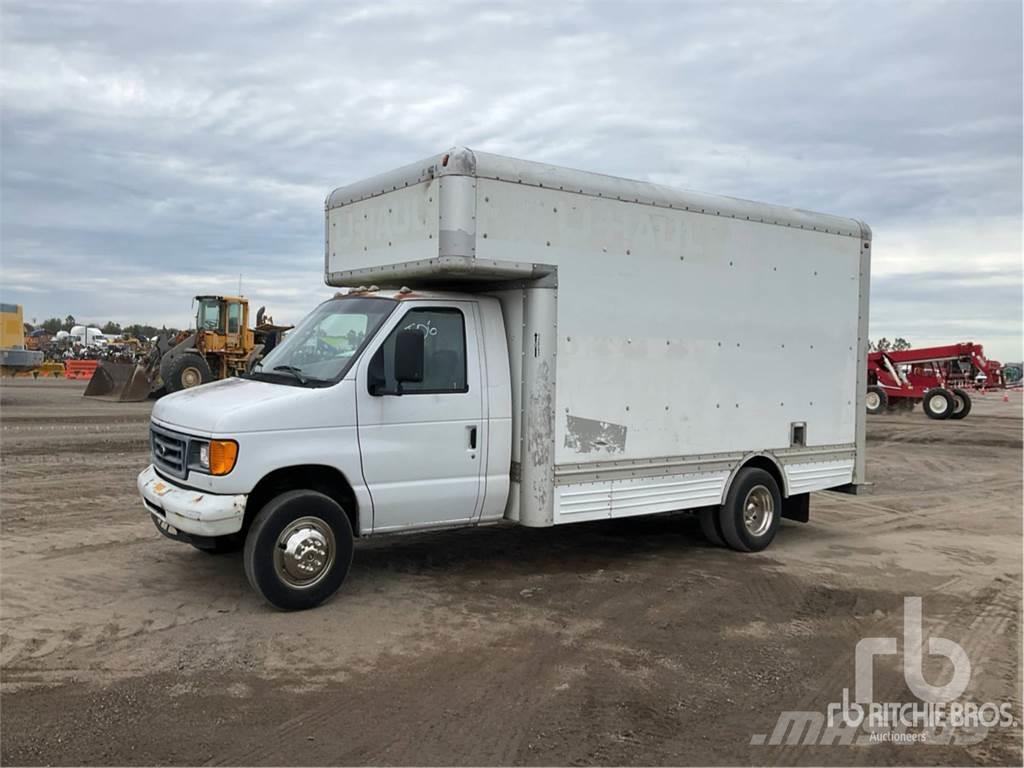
472, 438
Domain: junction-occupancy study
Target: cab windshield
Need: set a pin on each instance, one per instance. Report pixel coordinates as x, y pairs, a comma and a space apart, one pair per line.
209, 315
321, 348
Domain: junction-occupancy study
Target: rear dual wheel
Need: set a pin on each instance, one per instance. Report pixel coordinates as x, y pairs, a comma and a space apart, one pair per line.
749, 518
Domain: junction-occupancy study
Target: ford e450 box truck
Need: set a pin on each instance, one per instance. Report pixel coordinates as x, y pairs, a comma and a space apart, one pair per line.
531, 344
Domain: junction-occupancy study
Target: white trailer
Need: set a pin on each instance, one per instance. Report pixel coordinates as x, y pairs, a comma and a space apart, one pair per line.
539, 345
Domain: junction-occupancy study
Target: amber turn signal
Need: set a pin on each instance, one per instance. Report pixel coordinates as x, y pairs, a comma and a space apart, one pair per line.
222, 456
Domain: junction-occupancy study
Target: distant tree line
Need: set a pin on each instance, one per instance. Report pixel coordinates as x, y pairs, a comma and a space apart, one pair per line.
884, 345
53, 324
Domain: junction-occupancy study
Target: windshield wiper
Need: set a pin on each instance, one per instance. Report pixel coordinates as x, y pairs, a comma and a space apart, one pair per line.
296, 372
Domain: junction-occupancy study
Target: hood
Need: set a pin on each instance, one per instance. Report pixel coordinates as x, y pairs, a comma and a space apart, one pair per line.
233, 406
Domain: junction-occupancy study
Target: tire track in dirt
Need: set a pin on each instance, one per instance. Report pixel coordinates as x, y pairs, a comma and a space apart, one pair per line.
977, 631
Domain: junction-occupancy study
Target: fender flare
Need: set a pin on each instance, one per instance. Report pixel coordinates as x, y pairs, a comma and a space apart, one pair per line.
784, 486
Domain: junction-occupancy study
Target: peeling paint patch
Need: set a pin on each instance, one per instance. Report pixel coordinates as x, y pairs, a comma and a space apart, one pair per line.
591, 436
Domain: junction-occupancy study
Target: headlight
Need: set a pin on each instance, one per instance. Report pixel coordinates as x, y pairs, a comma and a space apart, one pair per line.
215, 456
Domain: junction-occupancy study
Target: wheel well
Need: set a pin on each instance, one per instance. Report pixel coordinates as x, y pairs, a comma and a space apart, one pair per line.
315, 477
766, 463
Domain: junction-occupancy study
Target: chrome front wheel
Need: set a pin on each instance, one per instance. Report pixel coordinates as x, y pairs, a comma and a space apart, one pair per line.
299, 549
304, 552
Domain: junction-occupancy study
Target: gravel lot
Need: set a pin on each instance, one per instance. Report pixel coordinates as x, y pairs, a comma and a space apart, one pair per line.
627, 642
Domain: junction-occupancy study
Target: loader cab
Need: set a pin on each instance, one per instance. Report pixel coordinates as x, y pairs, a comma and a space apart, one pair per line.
221, 323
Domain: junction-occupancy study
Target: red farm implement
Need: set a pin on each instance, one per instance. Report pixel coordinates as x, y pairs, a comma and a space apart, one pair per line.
937, 377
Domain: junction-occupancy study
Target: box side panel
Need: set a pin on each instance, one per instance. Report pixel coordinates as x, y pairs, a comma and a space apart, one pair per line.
818, 475
639, 496
682, 333
393, 227
859, 473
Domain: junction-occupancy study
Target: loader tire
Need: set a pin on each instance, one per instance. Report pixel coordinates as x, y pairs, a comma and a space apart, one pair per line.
876, 400
938, 403
187, 371
961, 404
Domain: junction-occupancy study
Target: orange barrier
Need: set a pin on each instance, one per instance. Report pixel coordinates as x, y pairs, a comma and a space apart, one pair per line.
80, 369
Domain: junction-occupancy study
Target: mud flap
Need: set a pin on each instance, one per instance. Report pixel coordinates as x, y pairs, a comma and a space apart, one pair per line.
797, 507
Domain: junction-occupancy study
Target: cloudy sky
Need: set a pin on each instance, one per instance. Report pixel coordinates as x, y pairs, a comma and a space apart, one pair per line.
151, 151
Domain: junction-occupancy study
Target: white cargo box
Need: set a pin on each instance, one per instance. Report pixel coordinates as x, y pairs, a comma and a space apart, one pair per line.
658, 339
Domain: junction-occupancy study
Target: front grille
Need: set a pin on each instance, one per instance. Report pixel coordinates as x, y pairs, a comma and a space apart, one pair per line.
169, 451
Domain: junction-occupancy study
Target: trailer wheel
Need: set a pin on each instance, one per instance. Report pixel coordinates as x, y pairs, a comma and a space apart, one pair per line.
186, 371
961, 404
711, 526
751, 512
938, 403
876, 400
298, 550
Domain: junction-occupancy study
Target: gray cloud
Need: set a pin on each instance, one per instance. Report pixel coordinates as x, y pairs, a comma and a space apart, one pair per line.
151, 150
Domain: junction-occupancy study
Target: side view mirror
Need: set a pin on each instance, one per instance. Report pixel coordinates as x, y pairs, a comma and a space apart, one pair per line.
408, 357
375, 374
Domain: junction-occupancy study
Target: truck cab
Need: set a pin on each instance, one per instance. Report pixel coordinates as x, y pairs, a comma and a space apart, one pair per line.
381, 403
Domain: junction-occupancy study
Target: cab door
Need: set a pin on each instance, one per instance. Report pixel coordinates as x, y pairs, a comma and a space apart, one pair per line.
420, 449
233, 326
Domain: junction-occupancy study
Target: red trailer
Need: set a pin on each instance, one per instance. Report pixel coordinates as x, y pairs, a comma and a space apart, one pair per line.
937, 377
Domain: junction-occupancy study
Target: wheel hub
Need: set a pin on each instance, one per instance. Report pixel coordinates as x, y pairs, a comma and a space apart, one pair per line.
873, 400
190, 377
758, 510
305, 552
939, 404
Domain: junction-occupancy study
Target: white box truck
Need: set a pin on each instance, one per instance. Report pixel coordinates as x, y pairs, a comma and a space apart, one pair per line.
531, 344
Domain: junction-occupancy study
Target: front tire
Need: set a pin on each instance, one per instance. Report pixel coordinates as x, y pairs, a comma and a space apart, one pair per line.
938, 403
752, 510
876, 400
299, 550
961, 404
186, 371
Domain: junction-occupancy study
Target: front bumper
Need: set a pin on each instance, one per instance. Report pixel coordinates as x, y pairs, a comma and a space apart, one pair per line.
192, 512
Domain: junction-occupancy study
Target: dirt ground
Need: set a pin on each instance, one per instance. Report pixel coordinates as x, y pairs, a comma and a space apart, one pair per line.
627, 642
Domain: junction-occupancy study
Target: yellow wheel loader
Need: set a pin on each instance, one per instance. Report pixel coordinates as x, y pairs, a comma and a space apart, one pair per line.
222, 345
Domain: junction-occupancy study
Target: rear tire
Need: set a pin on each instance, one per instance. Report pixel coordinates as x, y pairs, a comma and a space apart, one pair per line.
938, 403
961, 404
187, 370
752, 510
876, 400
710, 526
299, 550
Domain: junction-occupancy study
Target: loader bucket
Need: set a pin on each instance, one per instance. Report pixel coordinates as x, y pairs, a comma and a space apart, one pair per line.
124, 382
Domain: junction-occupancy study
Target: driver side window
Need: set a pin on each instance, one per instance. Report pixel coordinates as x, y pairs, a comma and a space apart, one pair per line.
444, 353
